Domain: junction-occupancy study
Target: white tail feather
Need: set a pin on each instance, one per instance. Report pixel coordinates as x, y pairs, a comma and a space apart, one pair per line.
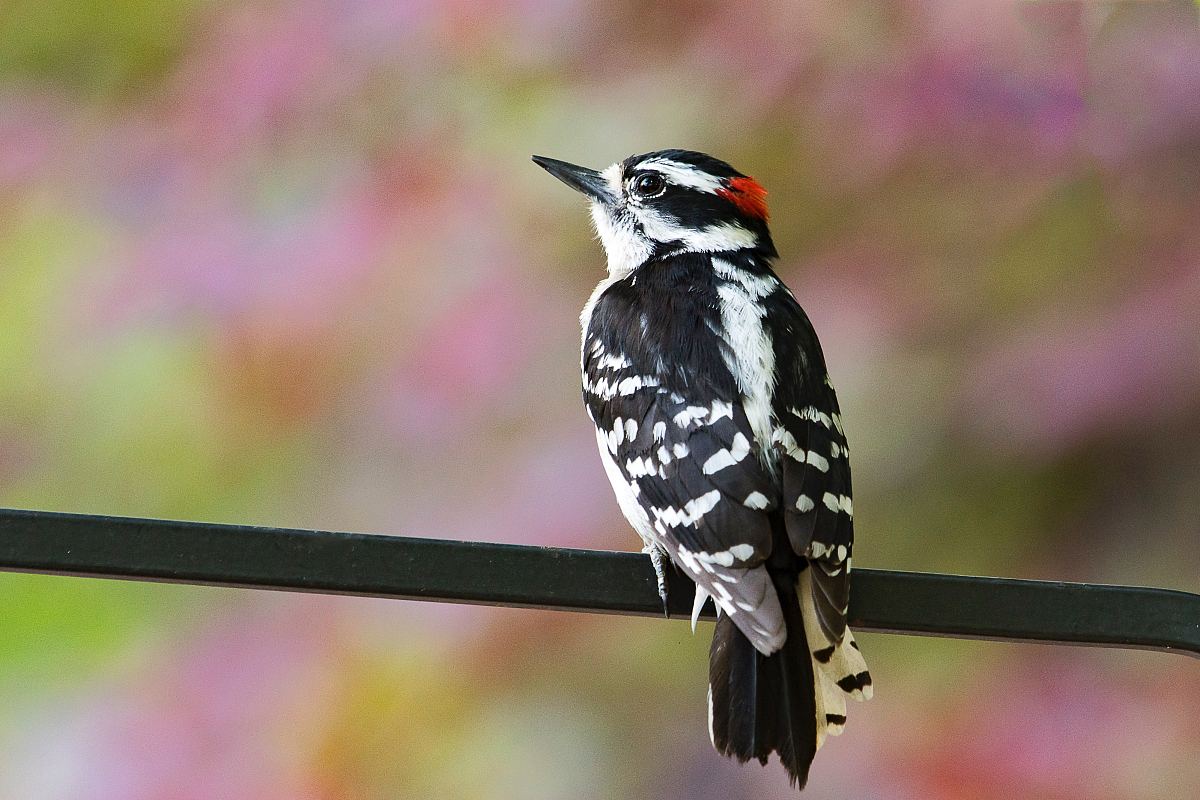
841, 660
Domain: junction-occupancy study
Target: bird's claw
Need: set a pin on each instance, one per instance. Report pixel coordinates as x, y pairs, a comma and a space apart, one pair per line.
656, 559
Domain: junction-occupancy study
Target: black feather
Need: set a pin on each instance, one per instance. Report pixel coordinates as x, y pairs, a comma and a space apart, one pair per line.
765, 704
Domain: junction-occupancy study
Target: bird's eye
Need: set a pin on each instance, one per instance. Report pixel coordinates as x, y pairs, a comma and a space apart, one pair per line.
649, 185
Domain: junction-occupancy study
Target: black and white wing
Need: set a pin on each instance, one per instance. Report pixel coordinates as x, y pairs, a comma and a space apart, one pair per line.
818, 512
817, 496
689, 479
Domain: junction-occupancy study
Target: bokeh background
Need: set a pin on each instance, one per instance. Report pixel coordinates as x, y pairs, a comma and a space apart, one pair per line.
288, 263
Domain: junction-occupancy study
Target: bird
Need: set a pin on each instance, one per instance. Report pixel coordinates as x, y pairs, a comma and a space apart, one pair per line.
720, 432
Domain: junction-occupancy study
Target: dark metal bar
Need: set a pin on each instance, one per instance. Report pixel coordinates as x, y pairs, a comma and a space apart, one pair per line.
578, 580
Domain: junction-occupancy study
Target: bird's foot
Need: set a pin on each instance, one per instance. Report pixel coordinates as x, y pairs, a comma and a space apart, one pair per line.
660, 572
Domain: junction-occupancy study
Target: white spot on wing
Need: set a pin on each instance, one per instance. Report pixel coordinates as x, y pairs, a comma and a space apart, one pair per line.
813, 414
689, 415
817, 460
722, 557
784, 437
742, 551
838, 503
720, 410
723, 597
692, 511
629, 385
756, 500
727, 457
613, 362
726, 558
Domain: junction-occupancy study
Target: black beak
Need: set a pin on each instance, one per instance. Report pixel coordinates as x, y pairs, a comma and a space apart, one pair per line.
581, 179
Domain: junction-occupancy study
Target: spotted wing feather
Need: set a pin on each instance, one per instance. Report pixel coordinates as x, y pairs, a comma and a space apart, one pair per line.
817, 497
702, 491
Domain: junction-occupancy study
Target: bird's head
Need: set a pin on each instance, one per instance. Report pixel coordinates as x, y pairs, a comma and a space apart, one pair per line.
667, 202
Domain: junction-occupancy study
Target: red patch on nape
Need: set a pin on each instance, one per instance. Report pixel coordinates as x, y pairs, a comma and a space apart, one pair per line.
747, 195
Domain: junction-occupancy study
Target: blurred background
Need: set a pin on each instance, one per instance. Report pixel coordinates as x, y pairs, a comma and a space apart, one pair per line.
289, 264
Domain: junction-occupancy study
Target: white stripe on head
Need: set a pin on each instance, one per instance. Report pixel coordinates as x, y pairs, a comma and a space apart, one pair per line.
718, 238
683, 174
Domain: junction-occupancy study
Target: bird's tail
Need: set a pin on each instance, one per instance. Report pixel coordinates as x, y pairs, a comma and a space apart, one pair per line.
787, 702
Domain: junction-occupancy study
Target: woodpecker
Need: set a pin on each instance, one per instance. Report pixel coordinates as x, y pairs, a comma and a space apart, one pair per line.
720, 432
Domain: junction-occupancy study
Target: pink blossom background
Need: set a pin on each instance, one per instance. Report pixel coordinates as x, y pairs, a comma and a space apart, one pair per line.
289, 264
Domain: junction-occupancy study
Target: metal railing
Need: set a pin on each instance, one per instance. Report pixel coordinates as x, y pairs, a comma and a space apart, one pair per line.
576, 580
